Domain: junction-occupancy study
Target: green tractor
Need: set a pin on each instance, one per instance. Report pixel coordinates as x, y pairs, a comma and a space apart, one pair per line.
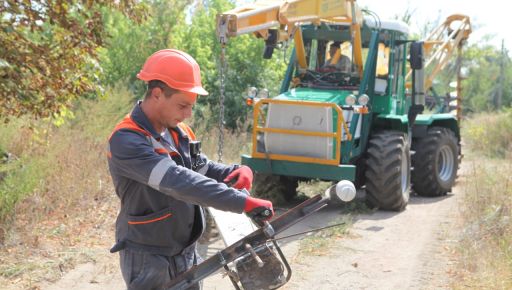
346, 108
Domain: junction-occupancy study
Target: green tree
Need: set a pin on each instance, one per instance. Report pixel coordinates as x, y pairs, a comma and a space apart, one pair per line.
130, 43
483, 62
245, 65
48, 52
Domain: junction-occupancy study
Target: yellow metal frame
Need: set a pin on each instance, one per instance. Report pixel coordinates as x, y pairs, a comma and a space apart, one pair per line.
287, 16
439, 46
337, 135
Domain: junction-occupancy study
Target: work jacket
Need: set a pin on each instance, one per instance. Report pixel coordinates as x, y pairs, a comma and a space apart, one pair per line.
161, 186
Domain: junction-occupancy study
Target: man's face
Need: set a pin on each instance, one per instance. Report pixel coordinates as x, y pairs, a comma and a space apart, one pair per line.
176, 108
332, 50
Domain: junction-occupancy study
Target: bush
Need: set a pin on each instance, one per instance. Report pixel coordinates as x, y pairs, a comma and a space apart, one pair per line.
490, 134
486, 208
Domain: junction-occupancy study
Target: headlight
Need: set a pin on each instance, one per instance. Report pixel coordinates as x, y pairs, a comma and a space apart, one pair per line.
350, 100
363, 99
262, 94
251, 92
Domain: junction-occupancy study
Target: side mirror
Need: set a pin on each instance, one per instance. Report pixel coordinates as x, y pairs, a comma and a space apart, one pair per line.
416, 55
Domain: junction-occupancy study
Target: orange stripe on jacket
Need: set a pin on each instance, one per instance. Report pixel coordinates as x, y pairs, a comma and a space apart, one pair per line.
149, 221
165, 151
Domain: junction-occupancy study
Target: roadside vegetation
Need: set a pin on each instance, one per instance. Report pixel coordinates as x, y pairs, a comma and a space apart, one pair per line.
486, 241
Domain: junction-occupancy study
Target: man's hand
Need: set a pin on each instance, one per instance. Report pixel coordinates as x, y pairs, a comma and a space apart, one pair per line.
259, 210
243, 176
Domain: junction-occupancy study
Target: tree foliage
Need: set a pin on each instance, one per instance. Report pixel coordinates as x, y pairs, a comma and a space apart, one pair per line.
130, 42
484, 72
48, 52
190, 26
244, 65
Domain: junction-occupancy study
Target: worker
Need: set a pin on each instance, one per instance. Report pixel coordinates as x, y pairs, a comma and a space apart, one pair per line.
343, 64
163, 180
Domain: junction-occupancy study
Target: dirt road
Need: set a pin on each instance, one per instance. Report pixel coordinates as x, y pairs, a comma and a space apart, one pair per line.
384, 250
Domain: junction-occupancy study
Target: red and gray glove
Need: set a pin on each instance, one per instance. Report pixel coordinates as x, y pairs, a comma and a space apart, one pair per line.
259, 210
243, 177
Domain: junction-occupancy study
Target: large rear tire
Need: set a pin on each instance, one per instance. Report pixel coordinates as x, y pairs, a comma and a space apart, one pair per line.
388, 167
435, 162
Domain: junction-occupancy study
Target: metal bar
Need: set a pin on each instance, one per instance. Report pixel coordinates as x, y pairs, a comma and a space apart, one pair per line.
295, 158
297, 132
336, 135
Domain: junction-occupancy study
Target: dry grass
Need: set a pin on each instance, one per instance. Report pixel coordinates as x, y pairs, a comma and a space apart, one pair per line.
320, 243
67, 215
486, 243
490, 134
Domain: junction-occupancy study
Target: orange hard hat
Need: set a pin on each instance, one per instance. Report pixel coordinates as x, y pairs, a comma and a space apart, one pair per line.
175, 68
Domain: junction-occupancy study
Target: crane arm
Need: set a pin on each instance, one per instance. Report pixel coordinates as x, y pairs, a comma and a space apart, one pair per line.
262, 16
439, 46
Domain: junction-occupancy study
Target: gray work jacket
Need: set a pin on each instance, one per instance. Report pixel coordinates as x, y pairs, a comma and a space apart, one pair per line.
161, 195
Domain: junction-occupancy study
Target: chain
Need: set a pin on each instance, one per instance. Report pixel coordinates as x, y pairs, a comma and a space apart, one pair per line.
221, 100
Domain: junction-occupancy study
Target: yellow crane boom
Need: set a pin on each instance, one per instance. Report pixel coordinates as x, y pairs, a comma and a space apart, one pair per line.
285, 16
439, 45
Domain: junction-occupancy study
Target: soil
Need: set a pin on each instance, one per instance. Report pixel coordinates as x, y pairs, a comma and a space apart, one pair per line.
412, 249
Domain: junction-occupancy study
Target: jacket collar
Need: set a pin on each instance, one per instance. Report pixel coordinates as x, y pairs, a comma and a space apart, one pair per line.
140, 118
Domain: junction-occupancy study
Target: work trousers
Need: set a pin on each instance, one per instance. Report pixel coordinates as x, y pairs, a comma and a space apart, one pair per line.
146, 271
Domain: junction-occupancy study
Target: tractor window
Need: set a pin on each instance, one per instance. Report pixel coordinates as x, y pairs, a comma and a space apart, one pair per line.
338, 56
381, 80
382, 61
398, 60
313, 55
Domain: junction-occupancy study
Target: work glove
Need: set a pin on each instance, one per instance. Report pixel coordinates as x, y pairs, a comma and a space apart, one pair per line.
259, 210
243, 177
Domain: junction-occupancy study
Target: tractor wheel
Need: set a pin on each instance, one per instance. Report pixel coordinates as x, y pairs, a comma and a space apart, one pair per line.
388, 167
435, 162
279, 189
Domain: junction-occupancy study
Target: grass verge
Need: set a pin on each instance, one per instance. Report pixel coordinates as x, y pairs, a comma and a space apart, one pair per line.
486, 243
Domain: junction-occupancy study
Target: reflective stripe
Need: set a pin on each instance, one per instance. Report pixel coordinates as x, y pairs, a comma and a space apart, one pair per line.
204, 168
158, 172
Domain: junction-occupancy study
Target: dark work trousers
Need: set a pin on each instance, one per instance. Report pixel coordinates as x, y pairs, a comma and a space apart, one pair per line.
145, 271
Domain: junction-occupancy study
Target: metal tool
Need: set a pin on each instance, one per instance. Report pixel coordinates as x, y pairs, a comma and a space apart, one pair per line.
257, 258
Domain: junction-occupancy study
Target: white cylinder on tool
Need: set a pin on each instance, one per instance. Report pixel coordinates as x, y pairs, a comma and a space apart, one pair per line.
345, 190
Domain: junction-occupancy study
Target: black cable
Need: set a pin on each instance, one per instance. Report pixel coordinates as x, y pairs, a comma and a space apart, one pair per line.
310, 231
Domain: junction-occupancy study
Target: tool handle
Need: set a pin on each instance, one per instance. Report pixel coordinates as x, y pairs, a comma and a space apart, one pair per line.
254, 255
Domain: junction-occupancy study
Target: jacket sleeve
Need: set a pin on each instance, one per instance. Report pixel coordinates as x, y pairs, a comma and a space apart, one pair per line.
215, 170
132, 156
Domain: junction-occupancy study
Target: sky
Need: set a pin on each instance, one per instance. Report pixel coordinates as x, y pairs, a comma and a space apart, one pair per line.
487, 17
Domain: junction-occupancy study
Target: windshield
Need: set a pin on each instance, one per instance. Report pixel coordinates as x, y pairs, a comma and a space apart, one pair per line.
330, 65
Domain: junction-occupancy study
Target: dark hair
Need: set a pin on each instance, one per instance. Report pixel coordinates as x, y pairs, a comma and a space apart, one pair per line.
168, 91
